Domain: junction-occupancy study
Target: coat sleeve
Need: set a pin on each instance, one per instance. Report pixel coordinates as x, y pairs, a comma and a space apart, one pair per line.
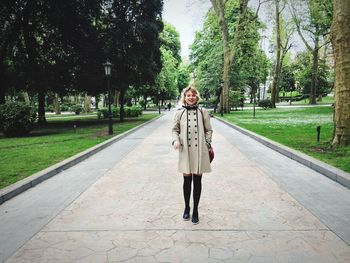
176, 127
208, 130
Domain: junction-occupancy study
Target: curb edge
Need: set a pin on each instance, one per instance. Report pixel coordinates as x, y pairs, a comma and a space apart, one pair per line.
323, 168
19, 187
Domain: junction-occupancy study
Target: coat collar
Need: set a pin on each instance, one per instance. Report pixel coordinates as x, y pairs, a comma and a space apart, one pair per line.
190, 107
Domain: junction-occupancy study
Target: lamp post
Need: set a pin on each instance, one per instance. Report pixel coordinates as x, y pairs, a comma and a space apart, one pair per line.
158, 101
254, 102
108, 66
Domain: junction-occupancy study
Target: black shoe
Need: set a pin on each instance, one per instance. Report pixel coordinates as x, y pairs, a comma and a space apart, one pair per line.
195, 220
186, 215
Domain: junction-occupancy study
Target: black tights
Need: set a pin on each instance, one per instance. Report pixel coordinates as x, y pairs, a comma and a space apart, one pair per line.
197, 189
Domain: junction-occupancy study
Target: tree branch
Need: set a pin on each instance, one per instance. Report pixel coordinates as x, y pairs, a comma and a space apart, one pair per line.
297, 23
261, 2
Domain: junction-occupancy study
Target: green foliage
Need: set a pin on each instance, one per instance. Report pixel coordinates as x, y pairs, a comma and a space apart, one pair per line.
55, 50
287, 78
170, 40
131, 32
183, 76
77, 109
236, 99
133, 111
303, 74
250, 66
296, 128
265, 104
206, 56
16, 118
54, 142
167, 78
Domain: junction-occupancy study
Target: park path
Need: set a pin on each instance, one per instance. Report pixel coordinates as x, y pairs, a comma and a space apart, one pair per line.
256, 206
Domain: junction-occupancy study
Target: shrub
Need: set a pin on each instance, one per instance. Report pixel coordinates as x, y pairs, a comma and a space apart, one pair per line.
17, 118
133, 111
77, 109
236, 99
103, 112
50, 108
66, 106
265, 104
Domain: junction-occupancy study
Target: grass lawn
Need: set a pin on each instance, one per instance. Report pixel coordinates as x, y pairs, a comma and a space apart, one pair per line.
296, 128
24, 156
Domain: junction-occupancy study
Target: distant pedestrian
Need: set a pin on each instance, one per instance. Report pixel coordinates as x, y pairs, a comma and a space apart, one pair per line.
192, 133
169, 105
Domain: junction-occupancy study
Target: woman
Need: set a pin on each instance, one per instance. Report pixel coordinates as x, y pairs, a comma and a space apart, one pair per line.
192, 134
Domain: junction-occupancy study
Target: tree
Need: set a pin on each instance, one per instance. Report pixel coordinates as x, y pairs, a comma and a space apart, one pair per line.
250, 65
7, 36
183, 76
313, 19
277, 70
206, 56
170, 40
302, 67
283, 33
167, 78
229, 42
340, 34
47, 43
132, 43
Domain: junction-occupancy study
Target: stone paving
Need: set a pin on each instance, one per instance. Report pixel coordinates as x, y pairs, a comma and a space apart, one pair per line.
134, 214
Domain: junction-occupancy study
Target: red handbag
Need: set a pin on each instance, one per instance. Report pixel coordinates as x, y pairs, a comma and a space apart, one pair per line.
211, 154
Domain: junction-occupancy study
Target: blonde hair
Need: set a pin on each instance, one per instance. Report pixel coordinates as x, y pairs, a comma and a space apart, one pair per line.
187, 89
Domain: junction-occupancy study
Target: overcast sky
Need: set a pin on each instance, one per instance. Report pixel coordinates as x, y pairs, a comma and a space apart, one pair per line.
187, 16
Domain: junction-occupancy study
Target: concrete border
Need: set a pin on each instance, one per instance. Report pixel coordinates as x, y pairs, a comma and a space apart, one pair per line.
19, 187
331, 172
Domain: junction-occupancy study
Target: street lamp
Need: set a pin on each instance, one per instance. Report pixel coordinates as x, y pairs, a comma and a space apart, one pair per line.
158, 100
108, 66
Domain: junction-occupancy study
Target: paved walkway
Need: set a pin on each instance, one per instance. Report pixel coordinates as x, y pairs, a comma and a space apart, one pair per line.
125, 204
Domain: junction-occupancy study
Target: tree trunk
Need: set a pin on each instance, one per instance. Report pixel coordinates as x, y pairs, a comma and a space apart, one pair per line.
2, 96
116, 97
97, 100
41, 108
87, 103
56, 103
121, 102
340, 34
314, 72
145, 100
2, 82
276, 75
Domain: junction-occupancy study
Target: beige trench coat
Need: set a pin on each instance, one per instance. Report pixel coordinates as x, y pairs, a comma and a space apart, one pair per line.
193, 137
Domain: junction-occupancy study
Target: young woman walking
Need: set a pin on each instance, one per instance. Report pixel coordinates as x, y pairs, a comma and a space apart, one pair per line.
192, 135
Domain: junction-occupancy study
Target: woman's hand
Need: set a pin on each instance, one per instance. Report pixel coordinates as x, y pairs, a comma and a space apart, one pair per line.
176, 145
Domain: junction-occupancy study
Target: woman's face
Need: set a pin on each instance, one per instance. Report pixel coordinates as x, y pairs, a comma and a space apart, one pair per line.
190, 98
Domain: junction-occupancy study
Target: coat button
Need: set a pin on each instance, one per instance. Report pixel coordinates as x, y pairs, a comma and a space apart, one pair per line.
195, 138
189, 126
189, 145
195, 125
194, 119
196, 145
